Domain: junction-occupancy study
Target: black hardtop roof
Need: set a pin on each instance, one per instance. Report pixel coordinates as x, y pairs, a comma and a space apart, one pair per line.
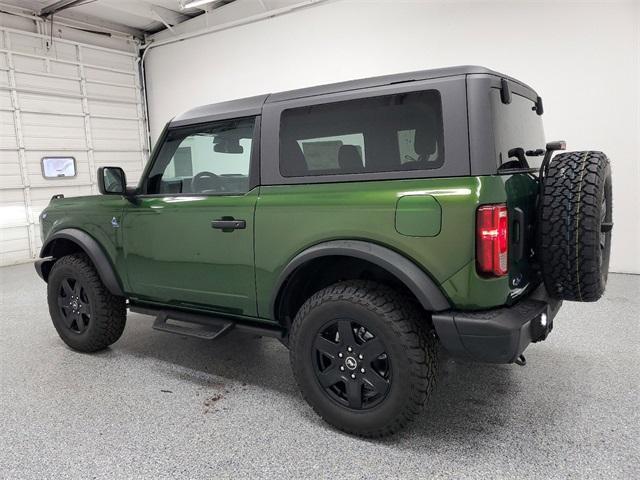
253, 105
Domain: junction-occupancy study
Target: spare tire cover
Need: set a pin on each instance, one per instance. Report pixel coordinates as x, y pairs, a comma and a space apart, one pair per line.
574, 226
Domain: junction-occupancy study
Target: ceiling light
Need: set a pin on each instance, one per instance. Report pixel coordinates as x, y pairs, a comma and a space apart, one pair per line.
196, 3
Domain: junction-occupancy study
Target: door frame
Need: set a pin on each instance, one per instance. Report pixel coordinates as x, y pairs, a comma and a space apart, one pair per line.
254, 161
140, 192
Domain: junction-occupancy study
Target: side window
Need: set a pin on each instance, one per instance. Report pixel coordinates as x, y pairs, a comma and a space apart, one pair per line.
377, 134
409, 150
182, 162
324, 153
210, 159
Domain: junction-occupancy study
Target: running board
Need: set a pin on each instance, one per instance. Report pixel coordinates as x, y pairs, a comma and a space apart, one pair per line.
203, 326
205, 332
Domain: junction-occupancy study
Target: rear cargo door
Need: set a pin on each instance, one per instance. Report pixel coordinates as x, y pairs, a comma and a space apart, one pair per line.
517, 125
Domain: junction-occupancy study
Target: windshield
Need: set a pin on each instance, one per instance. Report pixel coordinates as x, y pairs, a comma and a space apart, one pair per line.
517, 125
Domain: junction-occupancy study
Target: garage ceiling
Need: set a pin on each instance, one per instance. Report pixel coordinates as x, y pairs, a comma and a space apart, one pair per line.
135, 17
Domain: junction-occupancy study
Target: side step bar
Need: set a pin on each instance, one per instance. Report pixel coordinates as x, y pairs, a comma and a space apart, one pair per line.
203, 326
208, 332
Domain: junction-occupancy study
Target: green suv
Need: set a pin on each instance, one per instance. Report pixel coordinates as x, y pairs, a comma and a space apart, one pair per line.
366, 224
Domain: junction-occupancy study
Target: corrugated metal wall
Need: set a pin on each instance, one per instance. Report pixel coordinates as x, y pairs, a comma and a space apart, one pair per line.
71, 99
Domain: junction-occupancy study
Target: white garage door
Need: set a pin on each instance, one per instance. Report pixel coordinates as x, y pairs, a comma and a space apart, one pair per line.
72, 100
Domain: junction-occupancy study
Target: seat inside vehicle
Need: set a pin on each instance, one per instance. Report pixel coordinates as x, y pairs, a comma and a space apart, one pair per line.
426, 143
349, 159
291, 150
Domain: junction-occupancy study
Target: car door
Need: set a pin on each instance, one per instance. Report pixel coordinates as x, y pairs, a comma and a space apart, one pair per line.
188, 237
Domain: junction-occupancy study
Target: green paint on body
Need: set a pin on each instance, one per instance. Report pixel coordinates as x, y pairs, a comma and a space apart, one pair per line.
165, 251
418, 216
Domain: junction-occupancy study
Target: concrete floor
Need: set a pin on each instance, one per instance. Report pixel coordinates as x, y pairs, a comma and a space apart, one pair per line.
156, 405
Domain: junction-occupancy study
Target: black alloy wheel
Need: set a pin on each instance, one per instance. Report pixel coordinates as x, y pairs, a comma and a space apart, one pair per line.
351, 364
74, 305
86, 315
363, 357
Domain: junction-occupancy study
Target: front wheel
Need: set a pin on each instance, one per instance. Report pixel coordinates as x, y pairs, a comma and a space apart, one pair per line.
363, 358
86, 315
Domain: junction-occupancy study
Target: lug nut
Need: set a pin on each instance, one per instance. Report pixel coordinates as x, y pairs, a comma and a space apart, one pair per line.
340, 355
350, 349
342, 368
353, 375
360, 357
362, 370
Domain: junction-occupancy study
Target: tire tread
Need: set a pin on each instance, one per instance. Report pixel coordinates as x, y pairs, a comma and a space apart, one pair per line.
569, 225
408, 323
109, 311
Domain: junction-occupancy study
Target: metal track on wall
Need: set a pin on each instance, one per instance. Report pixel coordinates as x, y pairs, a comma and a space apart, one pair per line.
61, 98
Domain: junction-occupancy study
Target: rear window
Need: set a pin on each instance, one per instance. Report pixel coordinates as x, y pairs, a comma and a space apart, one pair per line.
517, 124
379, 134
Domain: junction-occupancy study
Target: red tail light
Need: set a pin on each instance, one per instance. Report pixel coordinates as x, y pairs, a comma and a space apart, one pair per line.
492, 239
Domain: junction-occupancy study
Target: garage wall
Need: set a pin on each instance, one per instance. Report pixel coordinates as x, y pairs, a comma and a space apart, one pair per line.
72, 99
582, 56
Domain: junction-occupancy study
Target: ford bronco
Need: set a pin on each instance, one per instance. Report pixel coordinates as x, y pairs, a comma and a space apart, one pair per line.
365, 224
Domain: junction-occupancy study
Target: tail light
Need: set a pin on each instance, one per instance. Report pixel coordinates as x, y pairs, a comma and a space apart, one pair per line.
492, 239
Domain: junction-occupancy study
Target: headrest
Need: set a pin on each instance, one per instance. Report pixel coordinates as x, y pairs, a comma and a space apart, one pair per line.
294, 159
349, 159
426, 140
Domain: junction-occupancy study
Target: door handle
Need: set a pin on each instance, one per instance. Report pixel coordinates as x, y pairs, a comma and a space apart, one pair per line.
228, 224
519, 233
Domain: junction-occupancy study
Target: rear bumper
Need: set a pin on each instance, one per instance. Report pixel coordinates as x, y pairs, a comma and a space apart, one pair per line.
498, 335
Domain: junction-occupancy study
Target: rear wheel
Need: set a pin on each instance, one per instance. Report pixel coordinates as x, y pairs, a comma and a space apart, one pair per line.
575, 225
362, 357
86, 315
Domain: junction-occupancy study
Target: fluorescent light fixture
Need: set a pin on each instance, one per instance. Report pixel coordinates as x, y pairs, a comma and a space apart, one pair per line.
196, 3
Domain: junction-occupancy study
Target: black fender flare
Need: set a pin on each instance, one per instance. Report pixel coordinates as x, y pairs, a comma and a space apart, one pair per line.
413, 277
91, 247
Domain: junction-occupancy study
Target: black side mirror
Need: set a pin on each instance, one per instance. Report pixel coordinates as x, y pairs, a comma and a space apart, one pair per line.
112, 181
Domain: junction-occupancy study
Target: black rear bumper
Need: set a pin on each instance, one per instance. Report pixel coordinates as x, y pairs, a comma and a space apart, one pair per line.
498, 335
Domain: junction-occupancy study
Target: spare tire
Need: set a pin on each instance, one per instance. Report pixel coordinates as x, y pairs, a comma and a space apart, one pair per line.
574, 234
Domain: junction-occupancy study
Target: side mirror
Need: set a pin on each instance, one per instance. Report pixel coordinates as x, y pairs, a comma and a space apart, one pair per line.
112, 181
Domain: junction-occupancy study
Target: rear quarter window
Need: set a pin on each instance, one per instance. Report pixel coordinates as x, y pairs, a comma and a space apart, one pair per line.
399, 132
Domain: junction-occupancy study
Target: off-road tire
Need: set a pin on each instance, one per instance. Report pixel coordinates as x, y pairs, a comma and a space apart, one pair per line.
402, 327
574, 236
107, 311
